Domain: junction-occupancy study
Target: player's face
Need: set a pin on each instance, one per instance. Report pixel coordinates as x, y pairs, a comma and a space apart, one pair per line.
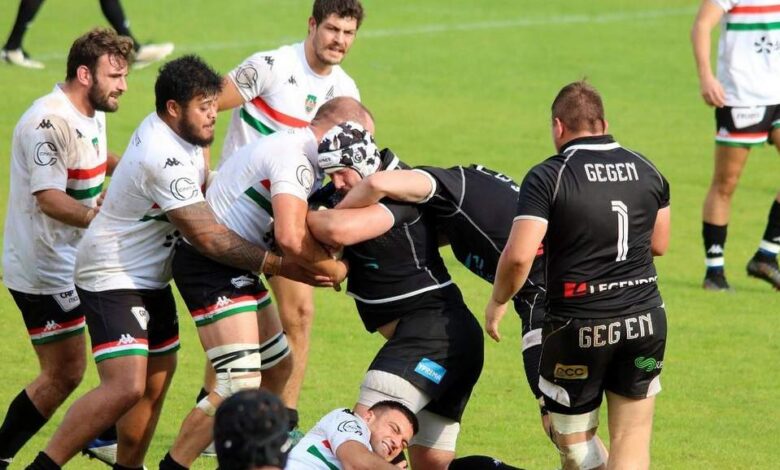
332, 38
108, 83
196, 123
390, 433
345, 179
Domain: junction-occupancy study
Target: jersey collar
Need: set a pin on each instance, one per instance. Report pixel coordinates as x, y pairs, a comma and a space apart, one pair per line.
595, 142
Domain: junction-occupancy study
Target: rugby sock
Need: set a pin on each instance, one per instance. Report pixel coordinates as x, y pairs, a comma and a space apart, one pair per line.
167, 463
292, 413
201, 395
113, 12
531, 358
479, 461
770, 244
122, 467
43, 462
27, 11
21, 423
714, 244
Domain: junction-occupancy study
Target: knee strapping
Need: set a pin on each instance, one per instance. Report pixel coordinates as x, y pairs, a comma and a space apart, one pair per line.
274, 350
584, 455
237, 366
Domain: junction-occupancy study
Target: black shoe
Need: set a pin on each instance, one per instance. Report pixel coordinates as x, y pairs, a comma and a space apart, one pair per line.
716, 282
766, 270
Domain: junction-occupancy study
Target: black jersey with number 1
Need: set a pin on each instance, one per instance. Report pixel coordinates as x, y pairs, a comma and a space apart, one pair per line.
600, 201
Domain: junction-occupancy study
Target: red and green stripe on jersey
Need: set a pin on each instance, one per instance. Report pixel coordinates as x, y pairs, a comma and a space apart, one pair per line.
54, 331
753, 18
85, 183
227, 306
262, 196
260, 116
313, 450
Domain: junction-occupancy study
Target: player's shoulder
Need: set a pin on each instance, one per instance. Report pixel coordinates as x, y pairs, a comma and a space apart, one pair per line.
153, 143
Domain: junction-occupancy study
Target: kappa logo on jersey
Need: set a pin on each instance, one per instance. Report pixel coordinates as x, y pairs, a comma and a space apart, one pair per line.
184, 189
141, 315
269, 60
171, 162
350, 426
51, 325
311, 102
136, 140
715, 250
79, 134
430, 370
292, 80
223, 301
126, 339
45, 154
246, 76
305, 177
45, 124
242, 281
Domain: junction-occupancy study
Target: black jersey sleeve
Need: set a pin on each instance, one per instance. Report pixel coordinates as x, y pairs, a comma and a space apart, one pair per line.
537, 192
665, 193
403, 213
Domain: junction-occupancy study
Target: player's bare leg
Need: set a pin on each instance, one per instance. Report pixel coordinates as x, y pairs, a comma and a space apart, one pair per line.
630, 428
433, 459
196, 430
295, 302
62, 366
764, 264
729, 163
136, 428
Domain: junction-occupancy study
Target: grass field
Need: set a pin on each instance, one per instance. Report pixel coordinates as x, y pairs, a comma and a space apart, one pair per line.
456, 82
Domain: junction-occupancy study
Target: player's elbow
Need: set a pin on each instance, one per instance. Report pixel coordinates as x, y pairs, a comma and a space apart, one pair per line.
290, 241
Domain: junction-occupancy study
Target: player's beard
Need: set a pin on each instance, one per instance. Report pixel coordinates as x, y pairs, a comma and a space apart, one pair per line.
189, 132
100, 100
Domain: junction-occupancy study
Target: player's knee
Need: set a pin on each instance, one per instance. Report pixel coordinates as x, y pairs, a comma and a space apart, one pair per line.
66, 378
275, 353
581, 455
297, 317
237, 368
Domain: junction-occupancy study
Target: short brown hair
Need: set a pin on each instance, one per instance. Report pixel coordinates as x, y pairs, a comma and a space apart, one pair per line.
579, 107
341, 8
87, 49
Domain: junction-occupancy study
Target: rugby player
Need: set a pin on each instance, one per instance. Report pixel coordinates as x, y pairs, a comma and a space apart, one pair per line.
261, 195
604, 211
59, 160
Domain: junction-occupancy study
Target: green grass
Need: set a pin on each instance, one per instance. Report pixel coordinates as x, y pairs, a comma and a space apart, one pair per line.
455, 82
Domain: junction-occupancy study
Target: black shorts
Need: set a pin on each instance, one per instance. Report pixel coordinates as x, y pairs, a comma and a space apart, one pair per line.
583, 357
127, 322
50, 318
213, 291
745, 127
439, 351
531, 309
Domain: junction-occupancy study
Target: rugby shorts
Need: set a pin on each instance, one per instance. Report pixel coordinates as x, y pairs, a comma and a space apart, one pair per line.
213, 291
583, 357
745, 127
440, 351
531, 309
50, 318
125, 322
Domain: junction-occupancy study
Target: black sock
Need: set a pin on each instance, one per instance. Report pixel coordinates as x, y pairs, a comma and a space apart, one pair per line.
43, 462
714, 246
113, 12
27, 11
122, 467
292, 413
474, 462
768, 249
201, 395
109, 434
167, 463
21, 423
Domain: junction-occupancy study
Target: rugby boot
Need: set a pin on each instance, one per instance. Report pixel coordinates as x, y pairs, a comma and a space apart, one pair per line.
149, 53
765, 269
716, 282
105, 451
20, 58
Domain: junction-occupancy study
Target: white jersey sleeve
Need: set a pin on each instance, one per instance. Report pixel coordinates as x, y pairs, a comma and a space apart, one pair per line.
50, 146
342, 426
293, 176
172, 185
256, 74
726, 5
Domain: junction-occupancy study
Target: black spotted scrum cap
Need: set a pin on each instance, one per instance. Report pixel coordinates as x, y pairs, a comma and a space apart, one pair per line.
348, 145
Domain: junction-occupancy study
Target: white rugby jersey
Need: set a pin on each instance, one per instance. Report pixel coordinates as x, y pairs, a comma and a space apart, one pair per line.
281, 92
749, 52
317, 449
130, 242
240, 193
55, 146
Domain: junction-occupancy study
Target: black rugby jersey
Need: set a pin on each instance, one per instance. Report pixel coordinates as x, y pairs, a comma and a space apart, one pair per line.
601, 202
398, 271
474, 207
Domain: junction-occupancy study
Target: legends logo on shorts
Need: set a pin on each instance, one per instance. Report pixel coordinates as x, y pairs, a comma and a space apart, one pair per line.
430, 370
648, 364
576, 372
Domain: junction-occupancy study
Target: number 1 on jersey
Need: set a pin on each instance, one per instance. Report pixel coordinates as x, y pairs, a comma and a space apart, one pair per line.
622, 242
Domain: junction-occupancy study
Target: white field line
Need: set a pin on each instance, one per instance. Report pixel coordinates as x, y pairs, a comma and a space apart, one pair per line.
556, 20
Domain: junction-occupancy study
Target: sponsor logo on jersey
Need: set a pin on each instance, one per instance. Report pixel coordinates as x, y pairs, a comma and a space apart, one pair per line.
648, 364
125, 338
183, 189
579, 289
45, 154
351, 426
570, 372
715, 249
242, 281
305, 177
45, 124
311, 102
171, 162
430, 370
141, 315
246, 76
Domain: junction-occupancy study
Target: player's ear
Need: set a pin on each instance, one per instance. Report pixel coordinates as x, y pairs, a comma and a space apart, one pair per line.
83, 75
172, 108
557, 128
369, 416
606, 126
312, 24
